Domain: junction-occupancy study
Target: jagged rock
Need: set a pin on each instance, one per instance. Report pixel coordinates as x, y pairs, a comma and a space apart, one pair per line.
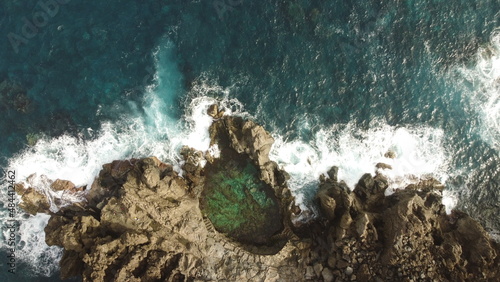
244, 136
32, 201
65, 185
390, 154
335, 200
154, 231
327, 203
333, 172
213, 110
383, 166
111, 177
327, 275
365, 187
419, 240
371, 190
143, 222
192, 165
362, 224
60, 185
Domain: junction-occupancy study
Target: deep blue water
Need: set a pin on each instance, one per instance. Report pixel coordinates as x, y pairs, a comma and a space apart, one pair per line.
337, 83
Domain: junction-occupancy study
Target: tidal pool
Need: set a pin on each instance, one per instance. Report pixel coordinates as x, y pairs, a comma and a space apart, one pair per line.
237, 202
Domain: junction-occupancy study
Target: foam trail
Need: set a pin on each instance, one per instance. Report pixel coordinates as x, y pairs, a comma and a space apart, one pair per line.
419, 154
484, 90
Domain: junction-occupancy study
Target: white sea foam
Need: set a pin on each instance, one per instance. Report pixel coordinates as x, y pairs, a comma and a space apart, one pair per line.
484, 93
420, 154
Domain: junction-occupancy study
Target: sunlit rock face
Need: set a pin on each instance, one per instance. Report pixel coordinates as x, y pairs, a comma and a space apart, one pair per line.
237, 202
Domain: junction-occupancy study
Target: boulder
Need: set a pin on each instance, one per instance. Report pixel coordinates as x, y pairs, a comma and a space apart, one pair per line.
333, 172
383, 166
213, 110
390, 154
65, 185
32, 201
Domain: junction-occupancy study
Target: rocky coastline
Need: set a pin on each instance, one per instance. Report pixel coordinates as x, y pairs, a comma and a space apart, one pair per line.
143, 221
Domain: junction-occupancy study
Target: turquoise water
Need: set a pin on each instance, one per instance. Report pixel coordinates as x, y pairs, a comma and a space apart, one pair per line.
337, 83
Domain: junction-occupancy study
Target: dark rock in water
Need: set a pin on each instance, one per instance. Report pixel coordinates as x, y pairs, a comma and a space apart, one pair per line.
371, 190
143, 222
32, 201
383, 166
333, 172
213, 110
14, 96
390, 154
366, 184
40, 199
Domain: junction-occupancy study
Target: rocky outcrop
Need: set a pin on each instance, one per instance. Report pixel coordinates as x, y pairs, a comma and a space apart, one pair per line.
142, 221
52, 194
247, 137
32, 201
406, 236
214, 111
244, 136
150, 228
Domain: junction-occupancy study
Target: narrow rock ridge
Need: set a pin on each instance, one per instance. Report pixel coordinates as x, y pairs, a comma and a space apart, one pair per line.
143, 222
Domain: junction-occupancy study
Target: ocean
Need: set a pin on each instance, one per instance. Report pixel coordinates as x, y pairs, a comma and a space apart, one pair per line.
335, 82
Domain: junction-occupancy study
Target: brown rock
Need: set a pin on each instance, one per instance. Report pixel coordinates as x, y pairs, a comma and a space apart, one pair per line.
332, 261
390, 154
363, 273
33, 201
341, 264
383, 166
328, 204
60, 185
327, 275
143, 223
244, 136
332, 173
213, 110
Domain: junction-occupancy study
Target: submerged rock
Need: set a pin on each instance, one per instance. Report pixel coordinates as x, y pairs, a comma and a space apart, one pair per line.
14, 96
